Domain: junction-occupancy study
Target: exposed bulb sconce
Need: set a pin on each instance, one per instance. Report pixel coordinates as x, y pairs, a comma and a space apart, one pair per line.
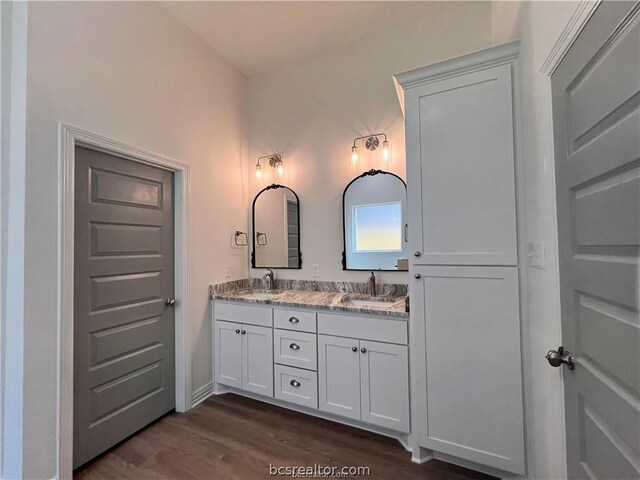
372, 143
275, 161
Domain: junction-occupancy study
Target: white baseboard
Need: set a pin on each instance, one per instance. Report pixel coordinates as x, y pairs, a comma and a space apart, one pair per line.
201, 394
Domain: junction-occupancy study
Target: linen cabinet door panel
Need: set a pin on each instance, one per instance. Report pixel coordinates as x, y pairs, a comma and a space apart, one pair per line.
463, 138
473, 364
384, 381
339, 376
228, 349
257, 361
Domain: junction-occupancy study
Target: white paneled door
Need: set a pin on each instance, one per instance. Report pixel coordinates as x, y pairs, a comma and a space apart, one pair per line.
596, 98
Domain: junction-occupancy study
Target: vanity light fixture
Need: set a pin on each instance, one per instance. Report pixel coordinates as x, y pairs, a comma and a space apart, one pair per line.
372, 143
275, 161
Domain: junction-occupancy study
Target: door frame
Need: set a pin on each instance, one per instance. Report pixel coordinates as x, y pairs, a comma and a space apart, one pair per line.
69, 138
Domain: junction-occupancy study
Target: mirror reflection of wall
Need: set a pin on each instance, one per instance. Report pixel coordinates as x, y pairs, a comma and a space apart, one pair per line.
276, 224
374, 214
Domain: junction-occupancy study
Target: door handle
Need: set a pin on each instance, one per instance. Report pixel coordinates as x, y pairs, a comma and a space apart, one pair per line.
560, 356
170, 302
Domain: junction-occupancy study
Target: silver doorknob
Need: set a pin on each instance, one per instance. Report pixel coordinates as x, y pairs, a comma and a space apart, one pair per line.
418, 276
416, 254
170, 302
557, 358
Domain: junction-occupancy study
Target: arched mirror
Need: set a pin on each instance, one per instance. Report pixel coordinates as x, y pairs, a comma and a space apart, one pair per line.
276, 228
374, 207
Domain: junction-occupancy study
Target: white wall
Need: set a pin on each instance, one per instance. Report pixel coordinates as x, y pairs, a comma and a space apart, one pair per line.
539, 25
134, 73
311, 111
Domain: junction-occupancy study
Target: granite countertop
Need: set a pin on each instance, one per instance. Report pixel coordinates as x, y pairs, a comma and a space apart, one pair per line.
340, 301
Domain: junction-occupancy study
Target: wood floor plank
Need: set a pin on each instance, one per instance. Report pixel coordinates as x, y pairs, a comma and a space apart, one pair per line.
233, 437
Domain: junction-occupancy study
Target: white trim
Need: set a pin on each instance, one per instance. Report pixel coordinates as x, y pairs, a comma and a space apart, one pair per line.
12, 237
461, 65
201, 394
572, 29
69, 138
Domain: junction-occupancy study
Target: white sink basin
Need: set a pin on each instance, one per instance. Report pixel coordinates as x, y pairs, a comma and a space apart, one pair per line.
261, 295
369, 302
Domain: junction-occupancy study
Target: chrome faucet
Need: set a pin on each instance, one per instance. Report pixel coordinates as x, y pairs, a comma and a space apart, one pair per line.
269, 280
372, 284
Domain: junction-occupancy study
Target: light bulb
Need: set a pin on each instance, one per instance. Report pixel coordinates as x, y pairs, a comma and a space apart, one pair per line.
280, 169
386, 151
354, 155
258, 171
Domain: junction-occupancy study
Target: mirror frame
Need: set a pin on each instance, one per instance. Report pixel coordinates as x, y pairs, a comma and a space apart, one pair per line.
368, 173
273, 186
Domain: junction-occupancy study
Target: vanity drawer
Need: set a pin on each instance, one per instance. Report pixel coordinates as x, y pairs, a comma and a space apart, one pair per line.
296, 386
294, 320
248, 314
381, 329
296, 349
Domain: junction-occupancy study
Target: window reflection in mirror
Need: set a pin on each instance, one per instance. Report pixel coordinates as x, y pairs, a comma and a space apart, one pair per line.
276, 228
374, 214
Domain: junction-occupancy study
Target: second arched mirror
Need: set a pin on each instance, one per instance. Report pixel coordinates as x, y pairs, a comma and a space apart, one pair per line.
374, 208
276, 228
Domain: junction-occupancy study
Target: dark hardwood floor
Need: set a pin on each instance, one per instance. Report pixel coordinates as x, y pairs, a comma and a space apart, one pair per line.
232, 437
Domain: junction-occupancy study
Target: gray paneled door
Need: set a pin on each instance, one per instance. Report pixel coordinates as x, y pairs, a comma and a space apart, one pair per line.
596, 93
124, 273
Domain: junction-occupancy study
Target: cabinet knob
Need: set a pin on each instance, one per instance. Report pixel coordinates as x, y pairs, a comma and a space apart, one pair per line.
244, 332
354, 349
238, 330
294, 320
416, 253
363, 350
418, 276
294, 346
294, 383
170, 302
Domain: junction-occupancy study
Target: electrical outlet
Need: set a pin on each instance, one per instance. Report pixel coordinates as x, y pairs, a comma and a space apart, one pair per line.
316, 270
227, 272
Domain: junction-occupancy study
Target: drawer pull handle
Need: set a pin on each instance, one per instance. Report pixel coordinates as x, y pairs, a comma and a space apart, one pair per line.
294, 346
354, 349
243, 332
363, 350
294, 383
294, 320
238, 330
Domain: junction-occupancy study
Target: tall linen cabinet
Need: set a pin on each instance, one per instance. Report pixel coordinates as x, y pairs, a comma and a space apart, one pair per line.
465, 281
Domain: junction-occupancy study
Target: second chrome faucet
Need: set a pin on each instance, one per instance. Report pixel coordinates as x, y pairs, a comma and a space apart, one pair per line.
269, 280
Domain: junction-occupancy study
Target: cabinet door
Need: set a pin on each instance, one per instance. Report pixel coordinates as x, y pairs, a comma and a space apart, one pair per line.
257, 359
384, 380
339, 376
473, 367
228, 350
460, 166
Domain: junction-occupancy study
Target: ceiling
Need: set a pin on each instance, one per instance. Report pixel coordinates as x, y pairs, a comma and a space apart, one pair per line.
259, 36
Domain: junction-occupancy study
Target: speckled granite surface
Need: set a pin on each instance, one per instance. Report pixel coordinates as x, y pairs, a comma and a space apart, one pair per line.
392, 305
384, 289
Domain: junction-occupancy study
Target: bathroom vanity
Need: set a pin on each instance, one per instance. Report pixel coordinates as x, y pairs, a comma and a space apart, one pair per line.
336, 355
